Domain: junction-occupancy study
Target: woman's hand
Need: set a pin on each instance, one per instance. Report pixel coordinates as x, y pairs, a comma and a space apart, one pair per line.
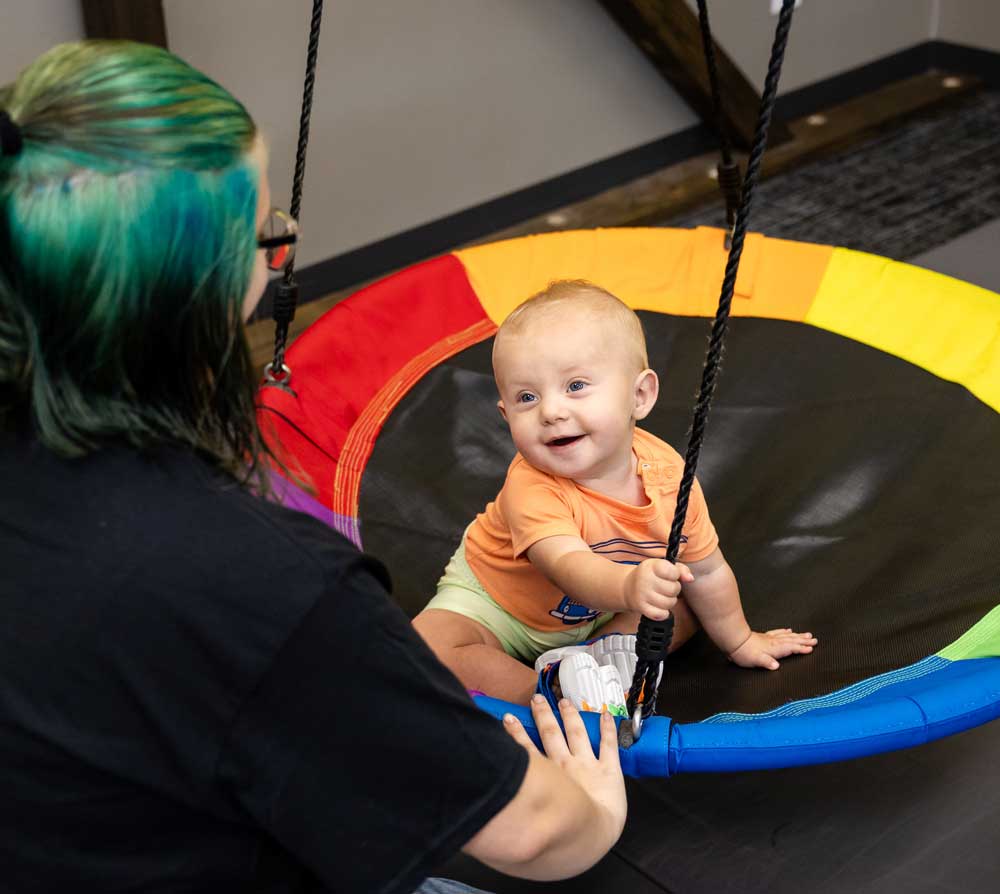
599, 777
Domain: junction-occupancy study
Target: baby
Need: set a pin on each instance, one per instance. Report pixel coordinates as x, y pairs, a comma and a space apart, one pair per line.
574, 542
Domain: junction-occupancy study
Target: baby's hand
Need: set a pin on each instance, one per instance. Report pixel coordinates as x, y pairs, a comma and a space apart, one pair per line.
652, 587
763, 649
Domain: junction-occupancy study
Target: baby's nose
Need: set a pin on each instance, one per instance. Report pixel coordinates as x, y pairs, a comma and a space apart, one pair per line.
553, 409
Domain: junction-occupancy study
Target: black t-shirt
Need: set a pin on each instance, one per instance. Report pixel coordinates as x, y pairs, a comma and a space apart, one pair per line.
201, 691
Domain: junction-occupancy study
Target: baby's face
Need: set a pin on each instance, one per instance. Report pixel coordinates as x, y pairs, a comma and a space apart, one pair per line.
567, 390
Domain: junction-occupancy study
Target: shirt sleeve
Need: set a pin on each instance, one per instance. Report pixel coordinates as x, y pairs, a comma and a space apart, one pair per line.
702, 539
362, 754
534, 507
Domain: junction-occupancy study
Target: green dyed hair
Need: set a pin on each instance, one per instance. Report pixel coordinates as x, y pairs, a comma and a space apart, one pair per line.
127, 240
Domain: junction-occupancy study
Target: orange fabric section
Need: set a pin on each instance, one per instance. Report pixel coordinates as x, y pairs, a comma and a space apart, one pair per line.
666, 270
361, 437
533, 505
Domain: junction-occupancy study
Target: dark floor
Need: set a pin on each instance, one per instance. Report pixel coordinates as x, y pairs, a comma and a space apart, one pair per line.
899, 194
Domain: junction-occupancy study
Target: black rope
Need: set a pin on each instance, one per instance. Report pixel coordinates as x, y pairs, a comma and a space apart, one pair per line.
728, 170
287, 294
653, 639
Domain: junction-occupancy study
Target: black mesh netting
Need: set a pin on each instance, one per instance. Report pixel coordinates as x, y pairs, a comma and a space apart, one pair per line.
855, 496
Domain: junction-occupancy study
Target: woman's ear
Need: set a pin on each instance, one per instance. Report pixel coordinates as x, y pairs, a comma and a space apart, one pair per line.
647, 389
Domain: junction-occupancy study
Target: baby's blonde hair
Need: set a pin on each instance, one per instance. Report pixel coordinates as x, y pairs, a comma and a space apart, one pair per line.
579, 295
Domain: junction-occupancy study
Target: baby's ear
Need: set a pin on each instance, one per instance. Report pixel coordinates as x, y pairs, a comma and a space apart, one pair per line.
502, 409
647, 389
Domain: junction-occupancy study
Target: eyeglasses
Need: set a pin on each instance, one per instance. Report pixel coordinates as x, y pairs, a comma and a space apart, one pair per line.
278, 237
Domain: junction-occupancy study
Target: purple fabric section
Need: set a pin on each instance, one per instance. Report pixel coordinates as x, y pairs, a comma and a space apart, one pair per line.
293, 497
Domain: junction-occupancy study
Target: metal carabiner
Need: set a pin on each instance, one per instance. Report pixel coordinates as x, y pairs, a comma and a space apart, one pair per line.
272, 381
637, 723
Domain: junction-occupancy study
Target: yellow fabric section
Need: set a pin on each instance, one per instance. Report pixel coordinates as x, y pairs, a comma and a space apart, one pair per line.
948, 327
980, 641
671, 271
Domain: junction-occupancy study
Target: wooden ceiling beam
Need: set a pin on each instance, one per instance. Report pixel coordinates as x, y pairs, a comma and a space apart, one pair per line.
668, 34
139, 20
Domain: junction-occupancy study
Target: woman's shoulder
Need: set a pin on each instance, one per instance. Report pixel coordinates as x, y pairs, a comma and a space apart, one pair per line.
161, 561
265, 534
173, 513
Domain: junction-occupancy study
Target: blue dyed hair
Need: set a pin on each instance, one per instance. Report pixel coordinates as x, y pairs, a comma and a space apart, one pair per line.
127, 241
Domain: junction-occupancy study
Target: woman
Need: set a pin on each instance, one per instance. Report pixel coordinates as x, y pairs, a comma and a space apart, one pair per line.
201, 690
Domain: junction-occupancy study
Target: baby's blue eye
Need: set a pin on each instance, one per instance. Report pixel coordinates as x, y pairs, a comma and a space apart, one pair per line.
525, 398
577, 385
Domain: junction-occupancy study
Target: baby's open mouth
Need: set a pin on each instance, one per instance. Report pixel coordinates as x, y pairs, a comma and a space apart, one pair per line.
563, 442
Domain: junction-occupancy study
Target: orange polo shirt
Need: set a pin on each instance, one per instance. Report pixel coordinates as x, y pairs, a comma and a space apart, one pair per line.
533, 505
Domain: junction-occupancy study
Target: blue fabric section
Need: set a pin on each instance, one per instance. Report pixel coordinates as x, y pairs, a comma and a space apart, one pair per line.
648, 757
849, 694
925, 701
949, 699
446, 886
499, 708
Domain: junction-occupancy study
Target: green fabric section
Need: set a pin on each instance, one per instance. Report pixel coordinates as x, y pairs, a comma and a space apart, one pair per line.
979, 641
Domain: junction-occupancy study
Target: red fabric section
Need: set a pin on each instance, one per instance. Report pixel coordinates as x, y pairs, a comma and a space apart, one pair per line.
342, 360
